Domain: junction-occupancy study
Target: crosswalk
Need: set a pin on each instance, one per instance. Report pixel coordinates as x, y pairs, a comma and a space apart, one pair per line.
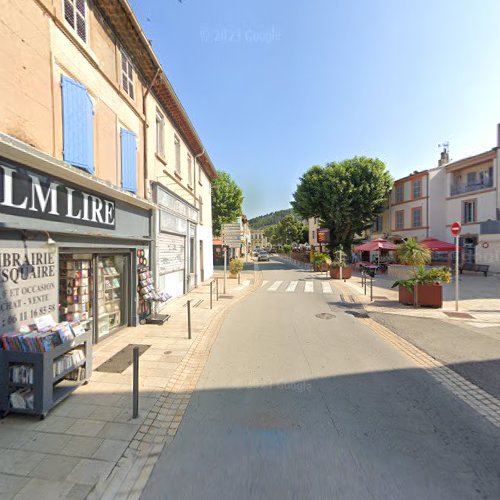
305, 286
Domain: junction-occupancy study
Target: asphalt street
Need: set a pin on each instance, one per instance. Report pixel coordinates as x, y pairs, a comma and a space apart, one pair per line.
299, 399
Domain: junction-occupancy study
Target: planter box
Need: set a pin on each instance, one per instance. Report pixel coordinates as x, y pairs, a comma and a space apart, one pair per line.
427, 295
335, 273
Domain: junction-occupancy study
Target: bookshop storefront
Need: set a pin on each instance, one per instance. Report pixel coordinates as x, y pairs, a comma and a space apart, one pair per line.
69, 249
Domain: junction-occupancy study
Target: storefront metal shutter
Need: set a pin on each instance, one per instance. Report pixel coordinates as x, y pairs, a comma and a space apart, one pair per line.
78, 125
171, 253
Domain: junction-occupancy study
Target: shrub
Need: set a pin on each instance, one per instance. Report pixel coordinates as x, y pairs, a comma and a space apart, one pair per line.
236, 266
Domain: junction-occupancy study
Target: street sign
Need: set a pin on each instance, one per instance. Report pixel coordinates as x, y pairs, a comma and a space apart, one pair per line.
456, 228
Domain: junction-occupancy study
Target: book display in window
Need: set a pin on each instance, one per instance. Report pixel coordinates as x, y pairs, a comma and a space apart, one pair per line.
41, 367
109, 286
75, 290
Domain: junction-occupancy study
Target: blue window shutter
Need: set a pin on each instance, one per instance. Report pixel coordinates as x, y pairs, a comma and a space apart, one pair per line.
129, 160
78, 125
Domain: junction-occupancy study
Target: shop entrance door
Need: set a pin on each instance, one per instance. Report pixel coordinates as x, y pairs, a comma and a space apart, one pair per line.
112, 281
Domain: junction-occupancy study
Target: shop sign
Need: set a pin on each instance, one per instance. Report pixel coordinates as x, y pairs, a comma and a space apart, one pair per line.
29, 194
175, 205
323, 236
28, 283
171, 223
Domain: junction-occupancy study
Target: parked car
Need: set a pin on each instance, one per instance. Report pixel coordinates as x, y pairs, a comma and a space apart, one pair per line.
263, 256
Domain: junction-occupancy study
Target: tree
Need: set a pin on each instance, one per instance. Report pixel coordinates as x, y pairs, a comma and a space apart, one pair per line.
346, 196
227, 200
413, 253
288, 230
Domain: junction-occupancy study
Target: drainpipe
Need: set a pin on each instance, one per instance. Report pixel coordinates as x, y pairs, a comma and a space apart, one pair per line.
427, 207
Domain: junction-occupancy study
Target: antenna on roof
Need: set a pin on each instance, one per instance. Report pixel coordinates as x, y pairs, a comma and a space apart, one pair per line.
445, 146
445, 157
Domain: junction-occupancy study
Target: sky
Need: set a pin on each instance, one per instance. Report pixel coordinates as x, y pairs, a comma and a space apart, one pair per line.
274, 87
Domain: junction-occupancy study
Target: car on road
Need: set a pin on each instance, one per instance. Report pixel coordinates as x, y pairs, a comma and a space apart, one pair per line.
263, 257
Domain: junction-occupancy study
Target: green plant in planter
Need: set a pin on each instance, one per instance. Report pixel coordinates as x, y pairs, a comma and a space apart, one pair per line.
339, 259
413, 253
319, 259
235, 266
423, 276
287, 248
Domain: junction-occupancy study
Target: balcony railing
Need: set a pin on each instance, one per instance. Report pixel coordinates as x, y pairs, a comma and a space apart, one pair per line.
469, 188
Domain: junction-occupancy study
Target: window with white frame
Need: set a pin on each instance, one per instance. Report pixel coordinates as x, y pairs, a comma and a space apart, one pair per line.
417, 189
200, 178
127, 75
160, 134
75, 13
469, 211
177, 144
400, 196
400, 219
190, 169
201, 210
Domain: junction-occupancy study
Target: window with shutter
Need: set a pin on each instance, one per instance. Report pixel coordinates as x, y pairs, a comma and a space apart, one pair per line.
75, 15
129, 160
78, 125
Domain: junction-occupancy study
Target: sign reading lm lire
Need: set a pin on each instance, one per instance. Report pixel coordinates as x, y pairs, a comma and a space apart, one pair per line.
28, 283
28, 194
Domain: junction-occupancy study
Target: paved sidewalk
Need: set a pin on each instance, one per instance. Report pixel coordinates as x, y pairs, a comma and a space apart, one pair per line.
74, 452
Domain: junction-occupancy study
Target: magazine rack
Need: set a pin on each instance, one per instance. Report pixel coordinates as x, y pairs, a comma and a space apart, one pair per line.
48, 390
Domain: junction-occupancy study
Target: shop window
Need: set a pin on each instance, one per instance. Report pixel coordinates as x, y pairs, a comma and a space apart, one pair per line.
78, 125
76, 16
129, 160
127, 75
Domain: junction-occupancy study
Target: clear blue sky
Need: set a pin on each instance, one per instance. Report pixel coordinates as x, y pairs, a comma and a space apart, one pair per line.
276, 86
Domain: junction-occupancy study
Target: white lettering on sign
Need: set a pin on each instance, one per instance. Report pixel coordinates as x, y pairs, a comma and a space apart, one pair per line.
26, 193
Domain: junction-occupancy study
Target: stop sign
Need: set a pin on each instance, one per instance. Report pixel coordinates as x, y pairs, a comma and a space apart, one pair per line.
456, 228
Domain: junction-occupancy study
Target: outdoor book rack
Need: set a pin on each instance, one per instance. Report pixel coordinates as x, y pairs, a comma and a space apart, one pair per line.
48, 389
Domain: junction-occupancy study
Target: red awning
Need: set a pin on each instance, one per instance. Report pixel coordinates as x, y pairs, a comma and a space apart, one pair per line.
438, 245
373, 245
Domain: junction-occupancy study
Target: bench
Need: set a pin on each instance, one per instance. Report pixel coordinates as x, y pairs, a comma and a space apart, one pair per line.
478, 268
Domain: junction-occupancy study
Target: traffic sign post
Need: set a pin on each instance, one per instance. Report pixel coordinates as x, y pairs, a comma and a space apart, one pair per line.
455, 231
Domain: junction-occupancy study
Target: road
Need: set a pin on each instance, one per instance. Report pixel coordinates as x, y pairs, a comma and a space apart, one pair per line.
291, 405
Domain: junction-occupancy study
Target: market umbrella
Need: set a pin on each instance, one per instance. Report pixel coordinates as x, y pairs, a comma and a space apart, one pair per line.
378, 244
436, 245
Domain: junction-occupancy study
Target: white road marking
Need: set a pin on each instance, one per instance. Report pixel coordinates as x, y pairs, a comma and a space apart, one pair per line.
326, 287
274, 286
292, 286
309, 287
245, 283
264, 283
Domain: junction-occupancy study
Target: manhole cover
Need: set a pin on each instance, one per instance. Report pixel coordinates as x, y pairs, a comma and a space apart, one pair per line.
226, 297
325, 316
119, 362
357, 314
167, 352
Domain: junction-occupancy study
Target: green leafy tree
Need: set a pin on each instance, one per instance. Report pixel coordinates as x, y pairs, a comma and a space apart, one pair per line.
227, 200
290, 230
270, 234
346, 196
413, 253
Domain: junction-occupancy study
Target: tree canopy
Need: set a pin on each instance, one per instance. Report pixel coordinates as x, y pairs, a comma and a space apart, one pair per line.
227, 200
346, 196
263, 221
288, 230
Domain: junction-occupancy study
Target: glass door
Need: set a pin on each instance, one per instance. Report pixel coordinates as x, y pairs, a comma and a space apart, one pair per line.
111, 293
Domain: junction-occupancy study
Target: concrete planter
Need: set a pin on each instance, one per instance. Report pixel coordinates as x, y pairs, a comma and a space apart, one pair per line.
427, 295
335, 273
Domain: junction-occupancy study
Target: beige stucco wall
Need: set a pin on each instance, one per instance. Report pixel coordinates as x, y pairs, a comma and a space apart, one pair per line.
490, 255
25, 89
313, 231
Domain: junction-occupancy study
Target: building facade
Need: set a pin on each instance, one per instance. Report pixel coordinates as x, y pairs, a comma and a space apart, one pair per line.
82, 191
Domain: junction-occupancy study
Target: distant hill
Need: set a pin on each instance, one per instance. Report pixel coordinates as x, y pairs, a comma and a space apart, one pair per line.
263, 221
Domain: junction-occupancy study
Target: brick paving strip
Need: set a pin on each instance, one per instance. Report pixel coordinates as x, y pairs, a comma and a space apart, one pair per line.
131, 473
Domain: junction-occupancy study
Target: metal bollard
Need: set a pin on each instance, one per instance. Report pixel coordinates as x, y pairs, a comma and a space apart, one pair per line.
239, 276
211, 292
365, 284
217, 288
371, 288
135, 384
189, 318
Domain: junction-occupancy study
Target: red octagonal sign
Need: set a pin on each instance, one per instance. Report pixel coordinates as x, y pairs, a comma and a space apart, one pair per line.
456, 228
